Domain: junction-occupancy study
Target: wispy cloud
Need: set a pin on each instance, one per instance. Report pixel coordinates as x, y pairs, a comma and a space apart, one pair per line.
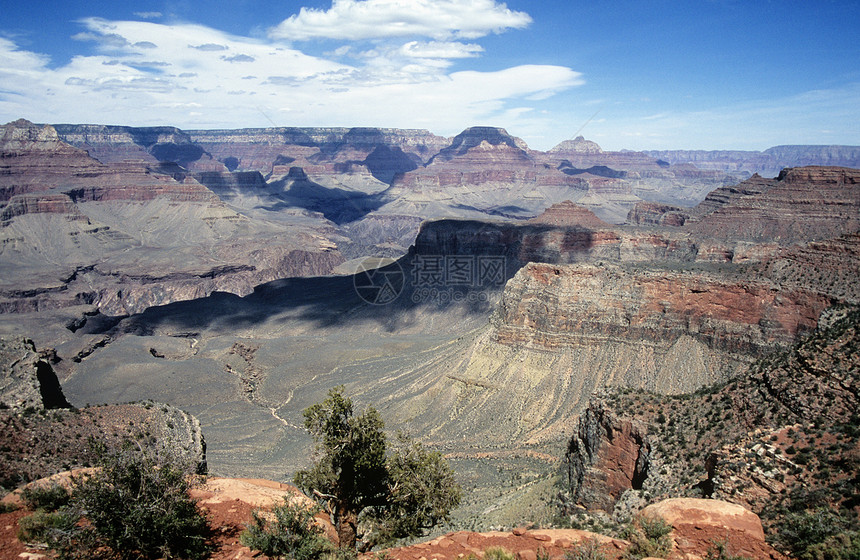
812, 117
148, 15
375, 19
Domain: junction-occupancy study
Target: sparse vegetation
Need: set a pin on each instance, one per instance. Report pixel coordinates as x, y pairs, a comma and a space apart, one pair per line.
498, 553
50, 497
720, 551
588, 549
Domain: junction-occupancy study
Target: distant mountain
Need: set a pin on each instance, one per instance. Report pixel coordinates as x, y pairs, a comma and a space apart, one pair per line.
768, 163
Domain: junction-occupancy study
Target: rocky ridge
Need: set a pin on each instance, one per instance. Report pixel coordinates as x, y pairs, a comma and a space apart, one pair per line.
768, 162
777, 439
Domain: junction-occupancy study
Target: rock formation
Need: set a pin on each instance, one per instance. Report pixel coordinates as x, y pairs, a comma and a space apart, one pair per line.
569, 214
697, 525
802, 204
778, 438
551, 306
606, 457
28, 380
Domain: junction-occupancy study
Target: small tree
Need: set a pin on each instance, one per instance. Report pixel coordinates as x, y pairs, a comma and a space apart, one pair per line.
398, 495
350, 471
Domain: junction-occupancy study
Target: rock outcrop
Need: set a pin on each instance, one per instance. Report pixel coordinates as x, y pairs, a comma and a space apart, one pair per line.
697, 525
28, 379
606, 456
569, 214
34, 446
656, 214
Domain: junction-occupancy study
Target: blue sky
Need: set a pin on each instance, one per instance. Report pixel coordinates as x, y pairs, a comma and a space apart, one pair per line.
706, 74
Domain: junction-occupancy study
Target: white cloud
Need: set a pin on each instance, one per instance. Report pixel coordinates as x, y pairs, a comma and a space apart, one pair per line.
375, 19
441, 50
186, 75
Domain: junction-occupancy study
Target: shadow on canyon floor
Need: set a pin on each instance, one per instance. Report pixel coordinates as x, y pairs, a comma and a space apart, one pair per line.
391, 298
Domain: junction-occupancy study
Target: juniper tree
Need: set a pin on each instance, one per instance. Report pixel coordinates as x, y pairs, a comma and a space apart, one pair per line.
394, 495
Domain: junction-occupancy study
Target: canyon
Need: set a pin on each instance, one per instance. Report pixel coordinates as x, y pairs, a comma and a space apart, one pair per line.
475, 291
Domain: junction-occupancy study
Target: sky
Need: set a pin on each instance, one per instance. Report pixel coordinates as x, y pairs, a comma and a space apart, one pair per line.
697, 74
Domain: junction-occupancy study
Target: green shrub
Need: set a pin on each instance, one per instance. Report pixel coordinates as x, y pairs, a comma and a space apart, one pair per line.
138, 506
720, 551
47, 528
7, 507
588, 549
819, 534
49, 497
800, 530
648, 536
498, 553
843, 546
288, 531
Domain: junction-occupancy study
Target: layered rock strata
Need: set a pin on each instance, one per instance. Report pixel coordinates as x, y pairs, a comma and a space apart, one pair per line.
125, 236
552, 306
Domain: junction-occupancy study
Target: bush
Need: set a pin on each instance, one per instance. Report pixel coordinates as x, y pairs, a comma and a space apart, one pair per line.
138, 506
818, 534
720, 551
588, 549
844, 546
288, 531
648, 536
45, 527
48, 497
8, 507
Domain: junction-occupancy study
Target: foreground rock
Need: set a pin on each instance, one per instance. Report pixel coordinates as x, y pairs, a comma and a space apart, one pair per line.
697, 525
525, 543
